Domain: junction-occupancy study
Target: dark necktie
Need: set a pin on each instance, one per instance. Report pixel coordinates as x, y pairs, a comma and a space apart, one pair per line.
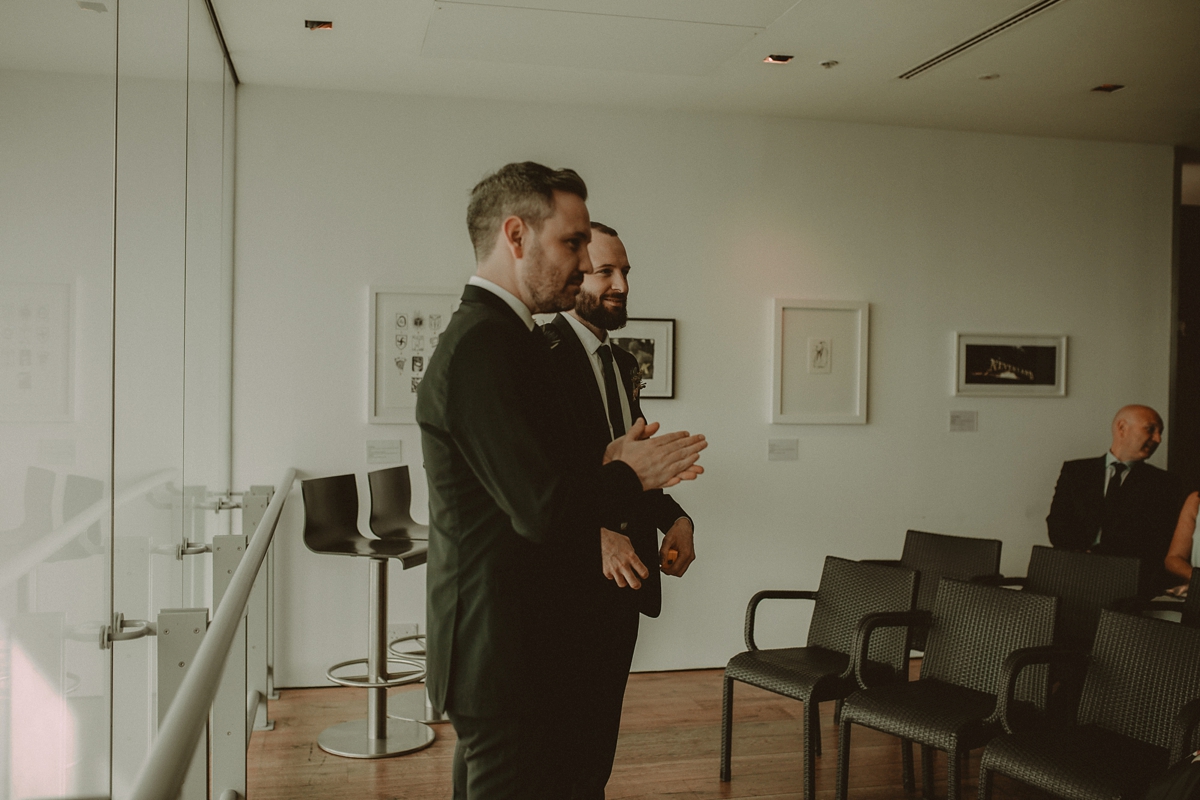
1111, 494
615, 418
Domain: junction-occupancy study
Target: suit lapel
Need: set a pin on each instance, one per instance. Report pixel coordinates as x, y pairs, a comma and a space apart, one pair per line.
583, 394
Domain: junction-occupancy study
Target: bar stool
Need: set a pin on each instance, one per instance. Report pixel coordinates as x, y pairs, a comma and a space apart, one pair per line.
391, 515
331, 528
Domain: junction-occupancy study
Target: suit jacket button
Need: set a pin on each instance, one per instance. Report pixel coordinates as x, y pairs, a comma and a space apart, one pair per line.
624, 525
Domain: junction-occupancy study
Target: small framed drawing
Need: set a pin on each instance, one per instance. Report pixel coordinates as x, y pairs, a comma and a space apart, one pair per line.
405, 326
996, 365
820, 373
652, 343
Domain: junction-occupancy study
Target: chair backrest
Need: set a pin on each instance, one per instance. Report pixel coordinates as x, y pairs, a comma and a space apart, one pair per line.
849, 591
80, 494
391, 501
1083, 583
39, 495
974, 629
936, 556
330, 512
1140, 674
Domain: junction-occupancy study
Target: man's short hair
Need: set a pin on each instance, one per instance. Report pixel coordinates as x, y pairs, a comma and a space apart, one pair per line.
606, 230
524, 190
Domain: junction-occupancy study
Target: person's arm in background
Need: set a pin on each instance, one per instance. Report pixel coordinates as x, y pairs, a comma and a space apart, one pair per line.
1179, 555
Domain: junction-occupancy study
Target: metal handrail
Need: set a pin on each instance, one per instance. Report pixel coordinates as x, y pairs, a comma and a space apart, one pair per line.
166, 767
45, 546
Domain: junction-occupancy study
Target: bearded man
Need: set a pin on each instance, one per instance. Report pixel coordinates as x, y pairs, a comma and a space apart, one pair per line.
600, 384
511, 512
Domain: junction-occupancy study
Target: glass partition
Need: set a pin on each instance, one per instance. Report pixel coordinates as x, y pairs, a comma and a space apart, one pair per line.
115, 332
57, 136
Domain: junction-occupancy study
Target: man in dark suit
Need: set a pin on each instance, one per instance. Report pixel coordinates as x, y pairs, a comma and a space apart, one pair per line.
600, 384
1117, 503
511, 511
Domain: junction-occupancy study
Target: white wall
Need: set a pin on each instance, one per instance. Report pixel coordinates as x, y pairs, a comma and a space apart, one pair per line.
940, 231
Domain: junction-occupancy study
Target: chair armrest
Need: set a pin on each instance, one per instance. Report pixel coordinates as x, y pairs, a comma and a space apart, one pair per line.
770, 594
882, 619
887, 562
1185, 728
1016, 663
1000, 580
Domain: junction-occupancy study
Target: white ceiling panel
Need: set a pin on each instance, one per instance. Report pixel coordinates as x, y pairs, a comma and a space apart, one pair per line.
752, 13
707, 55
506, 35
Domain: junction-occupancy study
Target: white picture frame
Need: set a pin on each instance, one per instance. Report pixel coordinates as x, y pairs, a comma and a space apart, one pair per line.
1010, 365
820, 362
405, 325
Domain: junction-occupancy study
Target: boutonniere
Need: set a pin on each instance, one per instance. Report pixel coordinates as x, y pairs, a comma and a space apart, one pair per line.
635, 380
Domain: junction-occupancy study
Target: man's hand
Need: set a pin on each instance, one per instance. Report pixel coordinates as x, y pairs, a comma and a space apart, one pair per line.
620, 562
659, 461
679, 539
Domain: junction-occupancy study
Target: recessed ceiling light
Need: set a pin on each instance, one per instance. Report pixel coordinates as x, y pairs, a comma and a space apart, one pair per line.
318, 25
1108, 88
830, 64
777, 59
991, 76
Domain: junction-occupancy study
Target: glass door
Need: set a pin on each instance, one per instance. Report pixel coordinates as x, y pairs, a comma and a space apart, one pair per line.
57, 136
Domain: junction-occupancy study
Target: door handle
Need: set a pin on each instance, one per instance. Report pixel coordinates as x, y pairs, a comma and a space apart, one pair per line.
122, 630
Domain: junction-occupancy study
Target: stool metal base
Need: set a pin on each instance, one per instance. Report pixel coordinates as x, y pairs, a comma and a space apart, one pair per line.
349, 739
413, 705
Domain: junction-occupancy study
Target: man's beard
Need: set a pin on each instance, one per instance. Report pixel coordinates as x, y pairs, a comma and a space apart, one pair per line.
591, 308
544, 287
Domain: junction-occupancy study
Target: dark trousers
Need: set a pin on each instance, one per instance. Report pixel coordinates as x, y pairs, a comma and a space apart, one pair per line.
516, 757
609, 651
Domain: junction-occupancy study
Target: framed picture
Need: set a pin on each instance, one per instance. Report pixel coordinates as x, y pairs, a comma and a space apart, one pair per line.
997, 365
405, 326
652, 343
37, 352
820, 374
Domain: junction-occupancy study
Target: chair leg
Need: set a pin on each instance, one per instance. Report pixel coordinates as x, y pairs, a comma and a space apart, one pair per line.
843, 765
954, 774
927, 772
985, 784
812, 712
812, 747
726, 728
906, 766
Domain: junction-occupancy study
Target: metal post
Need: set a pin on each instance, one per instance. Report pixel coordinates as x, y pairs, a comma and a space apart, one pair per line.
377, 651
180, 632
254, 506
229, 705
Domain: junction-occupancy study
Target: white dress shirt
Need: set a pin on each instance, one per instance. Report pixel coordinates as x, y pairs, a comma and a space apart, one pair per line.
592, 345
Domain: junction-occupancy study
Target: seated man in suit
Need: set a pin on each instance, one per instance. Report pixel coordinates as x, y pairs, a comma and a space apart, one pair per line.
600, 383
512, 514
1118, 504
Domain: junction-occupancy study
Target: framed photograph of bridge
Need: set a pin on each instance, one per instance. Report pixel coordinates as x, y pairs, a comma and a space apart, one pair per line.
1001, 365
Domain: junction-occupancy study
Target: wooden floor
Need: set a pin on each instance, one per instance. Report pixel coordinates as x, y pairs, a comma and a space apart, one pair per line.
669, 747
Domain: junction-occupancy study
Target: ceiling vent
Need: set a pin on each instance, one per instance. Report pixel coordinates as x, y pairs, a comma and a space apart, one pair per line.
980, 37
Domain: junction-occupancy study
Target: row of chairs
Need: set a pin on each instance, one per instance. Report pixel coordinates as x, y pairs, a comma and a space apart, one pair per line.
1118, 716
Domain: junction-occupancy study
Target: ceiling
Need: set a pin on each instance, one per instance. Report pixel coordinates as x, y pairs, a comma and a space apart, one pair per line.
708, 55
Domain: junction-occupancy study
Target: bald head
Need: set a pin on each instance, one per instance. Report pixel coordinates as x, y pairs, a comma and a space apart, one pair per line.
1137, 432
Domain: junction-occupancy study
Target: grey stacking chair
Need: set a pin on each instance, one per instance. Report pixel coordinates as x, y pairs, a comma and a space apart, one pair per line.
823, 669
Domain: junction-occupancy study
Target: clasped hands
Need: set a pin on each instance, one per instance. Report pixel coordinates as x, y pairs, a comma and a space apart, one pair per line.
659, 461
621, 563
